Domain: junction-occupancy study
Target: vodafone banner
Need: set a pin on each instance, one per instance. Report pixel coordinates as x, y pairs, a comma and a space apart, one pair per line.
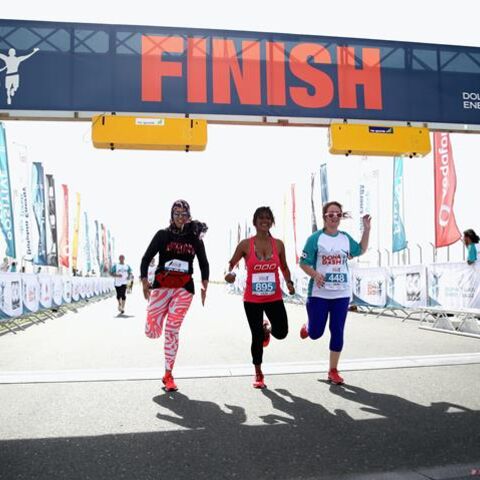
446, 230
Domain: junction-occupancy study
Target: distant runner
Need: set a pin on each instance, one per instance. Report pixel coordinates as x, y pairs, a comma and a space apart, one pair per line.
121, 271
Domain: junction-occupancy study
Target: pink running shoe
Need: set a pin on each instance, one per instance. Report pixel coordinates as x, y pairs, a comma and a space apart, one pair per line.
169, 382
259, 381
334, 377
304, 332
266, 333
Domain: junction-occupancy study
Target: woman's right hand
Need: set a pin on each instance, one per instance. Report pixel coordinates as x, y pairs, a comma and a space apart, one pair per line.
319, 279
146, 288
230, 277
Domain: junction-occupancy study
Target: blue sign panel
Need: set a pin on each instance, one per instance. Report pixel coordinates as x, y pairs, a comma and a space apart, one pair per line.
117, 68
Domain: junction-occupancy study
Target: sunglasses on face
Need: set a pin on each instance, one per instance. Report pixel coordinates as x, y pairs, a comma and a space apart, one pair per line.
180, 214
334, 215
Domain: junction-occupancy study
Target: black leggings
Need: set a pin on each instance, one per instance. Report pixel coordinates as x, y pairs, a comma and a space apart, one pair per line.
276, 314
121, 292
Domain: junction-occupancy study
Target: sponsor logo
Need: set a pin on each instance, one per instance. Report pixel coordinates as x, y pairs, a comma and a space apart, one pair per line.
444, 153
265, 267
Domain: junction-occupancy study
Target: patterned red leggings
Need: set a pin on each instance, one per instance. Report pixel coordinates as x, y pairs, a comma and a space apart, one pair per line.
172, 303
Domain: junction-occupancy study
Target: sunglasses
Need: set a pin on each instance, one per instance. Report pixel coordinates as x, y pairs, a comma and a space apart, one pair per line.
335, 215
183, 214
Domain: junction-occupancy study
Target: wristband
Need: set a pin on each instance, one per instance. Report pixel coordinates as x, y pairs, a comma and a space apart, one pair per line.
231, 273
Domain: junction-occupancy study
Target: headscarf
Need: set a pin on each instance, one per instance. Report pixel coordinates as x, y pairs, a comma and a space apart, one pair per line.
191, 226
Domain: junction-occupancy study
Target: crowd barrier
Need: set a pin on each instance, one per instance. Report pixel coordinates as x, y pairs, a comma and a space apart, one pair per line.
431, 293
27, 293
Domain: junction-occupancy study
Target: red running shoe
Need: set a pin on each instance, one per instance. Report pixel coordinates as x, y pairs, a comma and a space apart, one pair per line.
169, 382
266, 333
303, 332
259, 381
334, 377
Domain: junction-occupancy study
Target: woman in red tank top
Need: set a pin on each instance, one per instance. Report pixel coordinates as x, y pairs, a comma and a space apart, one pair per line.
263, 255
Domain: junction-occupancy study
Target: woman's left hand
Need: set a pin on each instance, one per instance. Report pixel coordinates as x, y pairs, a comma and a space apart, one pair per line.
291, 288
366, 220
203, 291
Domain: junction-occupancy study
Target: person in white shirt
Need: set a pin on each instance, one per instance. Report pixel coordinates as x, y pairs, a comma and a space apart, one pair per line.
121, 271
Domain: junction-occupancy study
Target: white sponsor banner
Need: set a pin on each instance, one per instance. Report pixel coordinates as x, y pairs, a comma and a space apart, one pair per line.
67, 289
31, 293
10, 295
57, 287
452, 285
407, 286
76, 287
369, 286
46, 290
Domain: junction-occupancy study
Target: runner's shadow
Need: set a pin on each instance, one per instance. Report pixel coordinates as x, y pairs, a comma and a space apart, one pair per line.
390, 406
301, 412
123, 315
198, 414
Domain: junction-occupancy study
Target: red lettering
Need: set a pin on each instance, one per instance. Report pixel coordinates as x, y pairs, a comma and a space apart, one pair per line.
320, 81
197, 70
275, 67
369, 76
153, 66
225, 64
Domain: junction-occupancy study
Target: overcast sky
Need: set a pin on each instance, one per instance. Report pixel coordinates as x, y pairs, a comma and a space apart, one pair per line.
244, 167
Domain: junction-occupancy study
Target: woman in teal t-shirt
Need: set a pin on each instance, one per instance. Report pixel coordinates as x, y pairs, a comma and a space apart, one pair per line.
471, 239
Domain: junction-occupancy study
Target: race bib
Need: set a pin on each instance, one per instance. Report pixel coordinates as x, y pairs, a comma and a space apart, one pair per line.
263, 284
176, 266
336, 278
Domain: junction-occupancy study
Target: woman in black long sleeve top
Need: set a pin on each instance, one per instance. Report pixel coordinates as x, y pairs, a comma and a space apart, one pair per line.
173, 288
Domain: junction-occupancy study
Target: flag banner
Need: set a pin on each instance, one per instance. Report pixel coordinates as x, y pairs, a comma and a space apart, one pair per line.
25, 209
105, 268
76, 233
6, 207
97, 247
312, 202
369, 286
399, 240
88, 258
109, 250
407, 286
294, 219
11, 304
446, 230
323, 183
52, 257
364, 194
38, 196
64, 239
31, 293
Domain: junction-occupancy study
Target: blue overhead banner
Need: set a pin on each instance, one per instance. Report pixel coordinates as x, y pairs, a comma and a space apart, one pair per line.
78, 67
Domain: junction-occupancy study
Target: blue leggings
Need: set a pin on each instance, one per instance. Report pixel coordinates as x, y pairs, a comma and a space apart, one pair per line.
318, 310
